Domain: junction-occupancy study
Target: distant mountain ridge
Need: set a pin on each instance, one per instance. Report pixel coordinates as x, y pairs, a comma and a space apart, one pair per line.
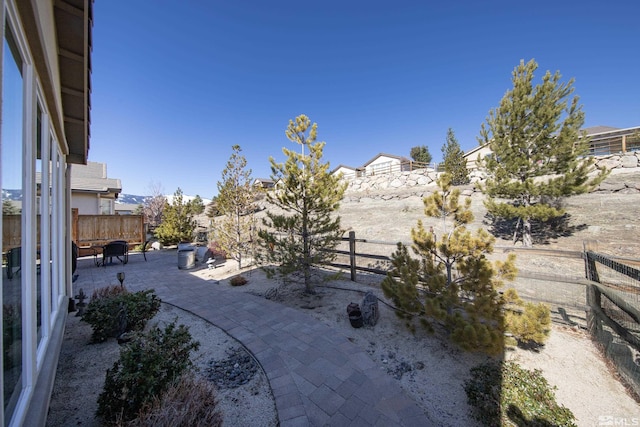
130, 199
126, 199
137, 200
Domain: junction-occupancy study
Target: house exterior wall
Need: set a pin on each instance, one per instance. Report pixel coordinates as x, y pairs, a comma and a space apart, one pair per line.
382, 164
473, 156
33, 159
87, 204
345, 171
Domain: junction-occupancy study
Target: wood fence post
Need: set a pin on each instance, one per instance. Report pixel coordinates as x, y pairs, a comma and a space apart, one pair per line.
352, 254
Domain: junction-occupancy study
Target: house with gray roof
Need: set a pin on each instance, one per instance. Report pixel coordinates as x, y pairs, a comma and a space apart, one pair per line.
92, 192
603, 140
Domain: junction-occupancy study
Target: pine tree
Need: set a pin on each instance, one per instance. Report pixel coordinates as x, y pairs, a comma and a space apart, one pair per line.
235, 205
451, 280
534, 133
297, 240
196, 205
177, 222
421, 154
529, 324
453, 160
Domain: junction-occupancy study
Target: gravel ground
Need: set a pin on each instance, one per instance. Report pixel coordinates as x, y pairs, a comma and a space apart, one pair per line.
428, 368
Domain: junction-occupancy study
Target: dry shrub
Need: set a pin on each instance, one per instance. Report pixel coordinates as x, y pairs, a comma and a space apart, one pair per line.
190, 402
238, 281
108, 292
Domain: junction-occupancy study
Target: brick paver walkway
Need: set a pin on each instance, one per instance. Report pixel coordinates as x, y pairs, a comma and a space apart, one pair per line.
317, 376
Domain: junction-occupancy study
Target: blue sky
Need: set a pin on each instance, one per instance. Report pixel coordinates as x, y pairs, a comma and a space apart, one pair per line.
176, 84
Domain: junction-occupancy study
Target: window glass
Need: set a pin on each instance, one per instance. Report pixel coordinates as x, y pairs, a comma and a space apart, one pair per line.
105, 206
38, 183
11, 179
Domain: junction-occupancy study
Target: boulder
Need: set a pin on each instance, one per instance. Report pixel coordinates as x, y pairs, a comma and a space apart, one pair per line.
608, 164
630, 161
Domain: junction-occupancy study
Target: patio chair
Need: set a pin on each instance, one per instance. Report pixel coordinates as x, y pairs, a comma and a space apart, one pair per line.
118, 249
13, 261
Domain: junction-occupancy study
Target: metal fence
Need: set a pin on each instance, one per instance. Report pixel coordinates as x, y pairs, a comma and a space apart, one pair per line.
613, 319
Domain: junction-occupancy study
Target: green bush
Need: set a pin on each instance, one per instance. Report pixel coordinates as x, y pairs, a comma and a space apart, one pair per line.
115, 313
529, 324
148, 365
503, 393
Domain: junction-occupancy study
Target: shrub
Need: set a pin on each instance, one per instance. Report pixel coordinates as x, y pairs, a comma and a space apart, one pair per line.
112, 315
146, 368
217, 251
188, 402
503, 393
107, 292
238, 281
528, 323
532, 326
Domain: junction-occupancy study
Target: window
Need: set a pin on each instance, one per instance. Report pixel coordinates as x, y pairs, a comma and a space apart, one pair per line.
106, 206
12, 198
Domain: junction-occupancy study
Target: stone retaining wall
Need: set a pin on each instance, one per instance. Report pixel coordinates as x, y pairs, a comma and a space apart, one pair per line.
421, 182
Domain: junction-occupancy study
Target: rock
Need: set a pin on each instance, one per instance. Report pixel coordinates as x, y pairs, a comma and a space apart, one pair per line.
236, 370
608, 164
630, 161
611, 187
156, 246
369, 308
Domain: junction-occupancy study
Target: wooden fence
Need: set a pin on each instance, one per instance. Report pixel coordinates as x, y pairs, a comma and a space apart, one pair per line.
97, 230
610, 294
86, 230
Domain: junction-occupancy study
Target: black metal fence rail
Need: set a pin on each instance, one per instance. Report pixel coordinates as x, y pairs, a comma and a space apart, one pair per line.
613, 318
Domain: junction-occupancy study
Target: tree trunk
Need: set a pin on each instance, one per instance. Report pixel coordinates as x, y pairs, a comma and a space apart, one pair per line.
515, 232
526, 233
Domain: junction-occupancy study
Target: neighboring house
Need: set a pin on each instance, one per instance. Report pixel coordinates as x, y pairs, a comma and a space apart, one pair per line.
385, 163
604, 140
263, 183
92, 193
607, 140
478, 153
45, 105
126, 208
346, 171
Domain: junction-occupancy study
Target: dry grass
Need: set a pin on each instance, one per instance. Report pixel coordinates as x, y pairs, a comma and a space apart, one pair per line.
190, 402
108, 291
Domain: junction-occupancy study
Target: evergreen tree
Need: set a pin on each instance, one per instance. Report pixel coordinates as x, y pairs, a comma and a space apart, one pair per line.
454, 162
451, 280
307, 194
212, 208
534, 133
235, 203
529, 324
421, 154
177, 222
9, 208
196, 205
